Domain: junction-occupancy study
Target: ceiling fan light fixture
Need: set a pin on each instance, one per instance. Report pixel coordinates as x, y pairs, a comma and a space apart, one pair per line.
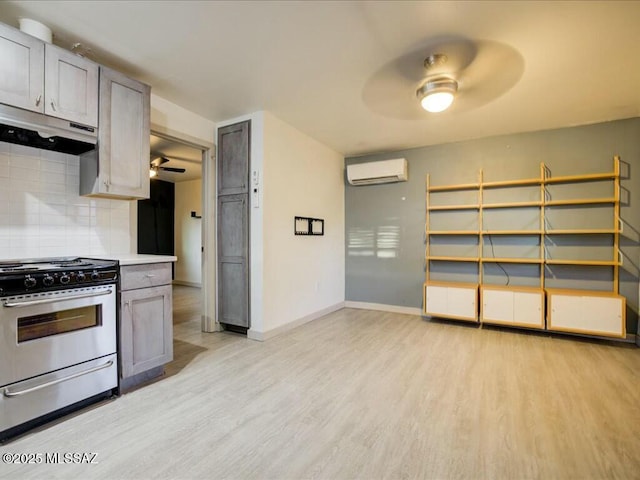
438, 94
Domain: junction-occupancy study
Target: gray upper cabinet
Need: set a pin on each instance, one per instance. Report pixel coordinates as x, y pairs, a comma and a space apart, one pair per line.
119, 166
47, 79
71, 86
21, 69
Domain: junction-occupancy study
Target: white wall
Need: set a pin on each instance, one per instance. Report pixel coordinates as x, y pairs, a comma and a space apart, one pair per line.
175, 120
303, 275
188, 233
42, 214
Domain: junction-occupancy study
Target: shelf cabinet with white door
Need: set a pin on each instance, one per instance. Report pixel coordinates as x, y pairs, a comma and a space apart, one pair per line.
47, 79
513, 306
458, 301
586, 312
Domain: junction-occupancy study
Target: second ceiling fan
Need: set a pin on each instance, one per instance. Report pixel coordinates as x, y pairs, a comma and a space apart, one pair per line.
157, 163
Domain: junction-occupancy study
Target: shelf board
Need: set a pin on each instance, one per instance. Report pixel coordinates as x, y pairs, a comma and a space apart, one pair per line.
581, 201
583, 231
450, 188
512, 205
581, 178
594, 263
512, 183
453, 259
453, 232
512, 232
453, 207
511, 260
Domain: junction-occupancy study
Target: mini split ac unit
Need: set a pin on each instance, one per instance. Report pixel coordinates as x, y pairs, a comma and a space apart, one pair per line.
386, 171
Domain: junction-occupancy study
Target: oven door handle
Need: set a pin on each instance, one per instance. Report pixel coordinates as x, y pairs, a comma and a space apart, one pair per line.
53, 299
9, 393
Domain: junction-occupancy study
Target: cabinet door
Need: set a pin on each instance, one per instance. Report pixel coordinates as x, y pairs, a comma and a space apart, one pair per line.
21, 69
497, 306
233, 158
146, 330
435, 300
527, 309
71, 86
591, 315
233, 255
124, 136
462, 303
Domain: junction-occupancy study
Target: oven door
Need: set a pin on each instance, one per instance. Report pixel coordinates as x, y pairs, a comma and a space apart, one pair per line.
44, 332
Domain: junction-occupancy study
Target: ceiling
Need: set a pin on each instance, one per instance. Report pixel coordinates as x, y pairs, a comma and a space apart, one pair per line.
315, 64
179, 156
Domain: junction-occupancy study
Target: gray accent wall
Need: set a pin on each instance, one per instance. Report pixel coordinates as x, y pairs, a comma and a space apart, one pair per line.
385, 224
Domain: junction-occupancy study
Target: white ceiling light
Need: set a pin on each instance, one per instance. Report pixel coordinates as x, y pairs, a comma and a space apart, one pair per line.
153, 172
438, 94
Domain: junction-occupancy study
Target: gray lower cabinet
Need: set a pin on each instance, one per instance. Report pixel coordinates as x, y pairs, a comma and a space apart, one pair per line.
146, 321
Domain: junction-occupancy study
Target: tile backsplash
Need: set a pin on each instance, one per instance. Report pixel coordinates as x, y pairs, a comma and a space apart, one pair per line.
42, 214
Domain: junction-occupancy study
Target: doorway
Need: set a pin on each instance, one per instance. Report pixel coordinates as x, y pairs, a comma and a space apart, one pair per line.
179, 181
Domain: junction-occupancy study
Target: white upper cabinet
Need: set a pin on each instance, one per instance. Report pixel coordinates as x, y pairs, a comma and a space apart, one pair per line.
21, 69
71, 86
47, 79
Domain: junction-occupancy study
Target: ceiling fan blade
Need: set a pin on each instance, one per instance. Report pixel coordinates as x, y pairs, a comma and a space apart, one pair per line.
159, 161
494, 71
172, 169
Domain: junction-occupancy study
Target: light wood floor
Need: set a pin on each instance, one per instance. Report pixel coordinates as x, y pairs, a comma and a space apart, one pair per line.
362, 394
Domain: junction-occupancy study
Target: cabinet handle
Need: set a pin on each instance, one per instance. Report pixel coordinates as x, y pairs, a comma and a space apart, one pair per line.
150, 275
38, 100
106, 185
53, 106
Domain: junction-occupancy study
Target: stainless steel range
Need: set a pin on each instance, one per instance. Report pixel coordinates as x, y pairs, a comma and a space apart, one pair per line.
57, 337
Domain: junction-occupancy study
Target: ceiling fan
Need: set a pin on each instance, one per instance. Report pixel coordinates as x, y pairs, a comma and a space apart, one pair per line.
156, 165
464, 74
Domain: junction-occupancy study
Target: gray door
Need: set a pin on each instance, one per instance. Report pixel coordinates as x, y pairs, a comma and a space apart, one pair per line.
233, 225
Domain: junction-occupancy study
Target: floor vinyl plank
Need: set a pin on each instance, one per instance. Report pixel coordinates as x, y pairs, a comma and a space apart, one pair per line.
363, 394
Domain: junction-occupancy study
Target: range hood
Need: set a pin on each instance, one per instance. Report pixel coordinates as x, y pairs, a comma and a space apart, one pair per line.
42, 131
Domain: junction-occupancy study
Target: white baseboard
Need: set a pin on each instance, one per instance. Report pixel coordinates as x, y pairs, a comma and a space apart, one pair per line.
262, 336
187, 284
384, 308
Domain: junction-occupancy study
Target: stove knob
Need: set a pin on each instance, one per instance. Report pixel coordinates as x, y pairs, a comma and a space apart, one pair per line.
95, 276
47, 280
64, 279
30, 282
81, 277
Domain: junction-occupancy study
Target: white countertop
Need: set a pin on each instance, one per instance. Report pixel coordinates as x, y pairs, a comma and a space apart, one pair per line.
139, 259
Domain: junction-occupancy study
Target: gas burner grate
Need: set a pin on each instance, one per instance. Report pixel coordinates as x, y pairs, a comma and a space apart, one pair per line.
75, 263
